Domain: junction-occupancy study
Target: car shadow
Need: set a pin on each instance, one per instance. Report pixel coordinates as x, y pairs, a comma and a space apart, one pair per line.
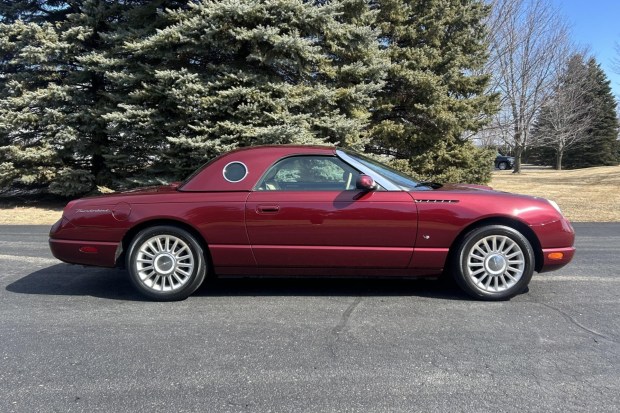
76, 280
114, 284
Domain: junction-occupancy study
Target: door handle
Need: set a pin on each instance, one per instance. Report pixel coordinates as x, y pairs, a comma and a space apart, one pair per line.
268, 209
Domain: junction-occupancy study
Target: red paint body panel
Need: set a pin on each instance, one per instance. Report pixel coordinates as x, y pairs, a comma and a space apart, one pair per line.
355, 227
251, 232
429, 258
227, 255
555, 234
304, 256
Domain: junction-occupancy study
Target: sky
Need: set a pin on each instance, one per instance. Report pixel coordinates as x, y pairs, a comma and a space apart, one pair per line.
596, 23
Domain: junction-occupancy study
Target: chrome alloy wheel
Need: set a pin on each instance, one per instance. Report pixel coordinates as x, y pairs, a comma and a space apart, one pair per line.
164, 263
495, 263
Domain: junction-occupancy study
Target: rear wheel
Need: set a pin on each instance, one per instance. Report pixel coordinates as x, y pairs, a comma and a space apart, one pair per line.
494, 262
502, 165
166, 263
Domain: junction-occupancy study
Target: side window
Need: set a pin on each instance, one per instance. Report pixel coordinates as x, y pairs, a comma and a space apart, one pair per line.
309, 173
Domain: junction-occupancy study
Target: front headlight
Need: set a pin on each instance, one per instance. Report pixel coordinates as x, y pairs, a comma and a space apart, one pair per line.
555, 205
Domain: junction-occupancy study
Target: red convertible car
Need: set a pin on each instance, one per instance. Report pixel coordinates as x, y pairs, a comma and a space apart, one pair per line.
313, 211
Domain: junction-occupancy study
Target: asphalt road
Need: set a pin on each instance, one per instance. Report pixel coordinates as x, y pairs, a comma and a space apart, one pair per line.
79, 339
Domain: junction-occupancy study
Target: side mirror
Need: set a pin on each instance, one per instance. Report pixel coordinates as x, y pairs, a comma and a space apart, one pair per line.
365, 183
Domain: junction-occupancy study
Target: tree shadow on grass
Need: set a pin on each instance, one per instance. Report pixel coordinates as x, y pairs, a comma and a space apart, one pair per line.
114, 284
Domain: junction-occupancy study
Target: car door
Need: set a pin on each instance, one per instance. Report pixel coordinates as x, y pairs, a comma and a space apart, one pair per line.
306, 212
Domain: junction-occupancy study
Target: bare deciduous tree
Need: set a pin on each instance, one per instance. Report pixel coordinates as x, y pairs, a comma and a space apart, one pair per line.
525, 39
566, 116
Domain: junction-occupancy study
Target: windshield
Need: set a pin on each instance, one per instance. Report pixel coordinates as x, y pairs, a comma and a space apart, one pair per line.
396, 177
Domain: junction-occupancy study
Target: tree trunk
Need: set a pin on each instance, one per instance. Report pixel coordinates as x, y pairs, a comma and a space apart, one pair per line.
517, 166
558, 160
518, 149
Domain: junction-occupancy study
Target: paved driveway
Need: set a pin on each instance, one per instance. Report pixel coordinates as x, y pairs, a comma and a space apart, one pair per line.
79, 339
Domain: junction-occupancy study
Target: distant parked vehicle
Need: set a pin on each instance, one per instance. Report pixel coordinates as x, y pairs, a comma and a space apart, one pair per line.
504, 162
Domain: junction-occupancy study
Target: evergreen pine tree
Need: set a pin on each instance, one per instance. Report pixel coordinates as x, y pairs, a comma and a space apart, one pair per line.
104, 92
433, 92
33, 11
600, 146
237, 73
135, 142
57, 88
32, 68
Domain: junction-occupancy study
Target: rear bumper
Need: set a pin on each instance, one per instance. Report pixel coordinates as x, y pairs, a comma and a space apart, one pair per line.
101, 254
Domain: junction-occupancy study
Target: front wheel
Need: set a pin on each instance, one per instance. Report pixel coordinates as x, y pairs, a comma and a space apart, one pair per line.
166, 263
502, 166
494, 262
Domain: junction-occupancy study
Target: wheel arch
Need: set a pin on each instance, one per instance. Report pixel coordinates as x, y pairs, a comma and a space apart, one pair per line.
133, 231
523, 228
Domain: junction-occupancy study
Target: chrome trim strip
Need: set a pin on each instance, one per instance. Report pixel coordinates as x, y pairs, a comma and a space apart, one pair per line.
384, 182
437, 201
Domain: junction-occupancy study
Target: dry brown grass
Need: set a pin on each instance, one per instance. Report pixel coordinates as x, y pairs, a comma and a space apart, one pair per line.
585, 195
15, 214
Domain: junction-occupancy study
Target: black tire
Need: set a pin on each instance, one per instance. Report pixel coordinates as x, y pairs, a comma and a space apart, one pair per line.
488, 270
177, 270
502, 166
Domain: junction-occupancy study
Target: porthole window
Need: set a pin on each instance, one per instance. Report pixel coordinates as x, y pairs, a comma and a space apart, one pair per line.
235, 172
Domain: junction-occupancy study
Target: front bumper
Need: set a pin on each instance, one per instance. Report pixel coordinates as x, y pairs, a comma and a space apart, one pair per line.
557, 239
556, 258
